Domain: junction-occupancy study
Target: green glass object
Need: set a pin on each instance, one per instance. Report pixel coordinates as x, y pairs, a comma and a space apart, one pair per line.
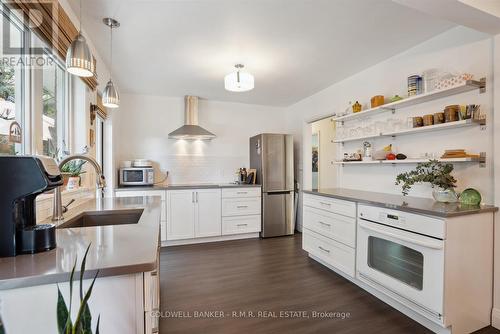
470, 197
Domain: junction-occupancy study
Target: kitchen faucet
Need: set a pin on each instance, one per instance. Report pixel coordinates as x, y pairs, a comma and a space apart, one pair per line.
58, 209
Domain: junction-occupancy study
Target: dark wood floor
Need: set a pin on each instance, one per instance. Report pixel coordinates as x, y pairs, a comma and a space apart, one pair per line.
265, 276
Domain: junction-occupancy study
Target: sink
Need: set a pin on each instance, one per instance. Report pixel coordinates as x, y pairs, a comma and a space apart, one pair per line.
104, 218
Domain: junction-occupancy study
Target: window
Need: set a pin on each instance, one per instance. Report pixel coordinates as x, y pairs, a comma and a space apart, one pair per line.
11, 90
53, 107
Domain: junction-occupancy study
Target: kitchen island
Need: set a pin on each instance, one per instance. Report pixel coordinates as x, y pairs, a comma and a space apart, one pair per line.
126, 256
432, 261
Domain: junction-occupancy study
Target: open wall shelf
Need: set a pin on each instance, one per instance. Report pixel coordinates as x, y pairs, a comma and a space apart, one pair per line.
417, 99
481, 160
423, 129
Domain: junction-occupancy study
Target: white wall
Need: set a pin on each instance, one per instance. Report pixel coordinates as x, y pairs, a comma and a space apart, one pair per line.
459, 49
144, 123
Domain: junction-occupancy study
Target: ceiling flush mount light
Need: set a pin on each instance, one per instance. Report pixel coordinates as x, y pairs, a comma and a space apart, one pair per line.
110, 97
78, 57
239, 81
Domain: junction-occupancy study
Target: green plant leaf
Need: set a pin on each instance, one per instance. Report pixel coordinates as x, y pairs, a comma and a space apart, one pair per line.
98, 322
62, 313
69, 326
82, 271
2, 329
77, 328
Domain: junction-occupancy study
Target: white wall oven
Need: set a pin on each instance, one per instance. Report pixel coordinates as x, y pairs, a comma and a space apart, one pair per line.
402, 255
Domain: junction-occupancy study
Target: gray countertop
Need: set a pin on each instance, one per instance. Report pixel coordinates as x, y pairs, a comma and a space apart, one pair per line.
186, 186
115, 250
404, 203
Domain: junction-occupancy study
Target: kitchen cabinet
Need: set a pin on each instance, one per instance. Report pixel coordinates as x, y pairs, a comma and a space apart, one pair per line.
420, 259
193, 213
241, 210
144, 193
207, 213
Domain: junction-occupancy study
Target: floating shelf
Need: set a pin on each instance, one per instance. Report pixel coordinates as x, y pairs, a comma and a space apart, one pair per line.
430, 128
417, 99
481, 159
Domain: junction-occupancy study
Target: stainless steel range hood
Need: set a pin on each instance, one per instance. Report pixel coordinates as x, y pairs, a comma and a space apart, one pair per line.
191, 130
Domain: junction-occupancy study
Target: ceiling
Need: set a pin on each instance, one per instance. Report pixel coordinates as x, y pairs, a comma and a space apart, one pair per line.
294, 48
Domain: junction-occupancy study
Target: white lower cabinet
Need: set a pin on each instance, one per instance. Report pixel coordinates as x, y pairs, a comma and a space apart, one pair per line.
330, 231
152, 300
193, 213
207, 213
142, 193
240, 224
241, 211
181, 214
330, 251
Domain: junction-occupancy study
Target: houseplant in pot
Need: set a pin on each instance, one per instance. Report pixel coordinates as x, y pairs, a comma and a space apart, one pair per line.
72, 171
437, 174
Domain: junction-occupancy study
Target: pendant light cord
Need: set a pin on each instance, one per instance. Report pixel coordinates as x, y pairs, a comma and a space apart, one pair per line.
111, 53
81, 16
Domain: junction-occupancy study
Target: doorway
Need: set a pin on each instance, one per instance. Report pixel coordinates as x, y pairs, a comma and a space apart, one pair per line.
323, 154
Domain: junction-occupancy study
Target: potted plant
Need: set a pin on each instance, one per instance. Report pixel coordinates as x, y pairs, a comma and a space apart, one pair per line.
437, 174
71, 172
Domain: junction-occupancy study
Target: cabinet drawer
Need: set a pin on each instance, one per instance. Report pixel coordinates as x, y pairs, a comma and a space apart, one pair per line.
140, 193
241, 192
330, 251
338, 206
240, 224
240, 206
151, 291
331, 225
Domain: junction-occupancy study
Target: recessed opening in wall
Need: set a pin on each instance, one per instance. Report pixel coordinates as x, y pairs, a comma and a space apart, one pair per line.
323, 153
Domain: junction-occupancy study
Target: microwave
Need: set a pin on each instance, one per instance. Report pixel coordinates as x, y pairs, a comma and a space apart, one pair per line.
137, 176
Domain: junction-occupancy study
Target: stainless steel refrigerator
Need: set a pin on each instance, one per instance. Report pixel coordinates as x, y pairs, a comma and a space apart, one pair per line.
272, 157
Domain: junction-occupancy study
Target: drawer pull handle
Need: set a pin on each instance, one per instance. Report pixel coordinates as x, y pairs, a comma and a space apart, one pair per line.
242, 192
326, 224
242, 206
242, 225
154, 273
323, 203
324, 249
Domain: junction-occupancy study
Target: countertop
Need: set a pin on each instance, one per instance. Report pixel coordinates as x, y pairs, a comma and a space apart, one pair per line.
404, 203
115, 250
186, 186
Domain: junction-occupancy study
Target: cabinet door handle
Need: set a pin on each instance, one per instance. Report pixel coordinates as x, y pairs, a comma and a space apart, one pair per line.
192, 197
326, 224
324, 249
196, 197
323, 203
242, 206
241, 224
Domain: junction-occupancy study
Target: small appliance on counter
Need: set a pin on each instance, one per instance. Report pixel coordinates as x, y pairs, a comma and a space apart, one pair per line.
138, 172
23, 178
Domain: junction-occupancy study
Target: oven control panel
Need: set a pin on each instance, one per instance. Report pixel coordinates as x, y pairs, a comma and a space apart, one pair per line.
425, 225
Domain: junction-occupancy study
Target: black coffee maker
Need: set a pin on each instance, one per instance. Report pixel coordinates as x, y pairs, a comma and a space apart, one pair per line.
22, 178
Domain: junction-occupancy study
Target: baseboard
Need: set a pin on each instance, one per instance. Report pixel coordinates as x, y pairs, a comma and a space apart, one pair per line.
495, 318
209, 239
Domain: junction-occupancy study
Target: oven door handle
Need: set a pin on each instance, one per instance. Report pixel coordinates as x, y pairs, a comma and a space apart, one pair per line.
433, 245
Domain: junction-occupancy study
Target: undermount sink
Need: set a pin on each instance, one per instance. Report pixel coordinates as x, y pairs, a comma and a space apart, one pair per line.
103, 218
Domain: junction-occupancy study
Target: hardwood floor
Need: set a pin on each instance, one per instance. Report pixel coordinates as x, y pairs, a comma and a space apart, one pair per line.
265, 276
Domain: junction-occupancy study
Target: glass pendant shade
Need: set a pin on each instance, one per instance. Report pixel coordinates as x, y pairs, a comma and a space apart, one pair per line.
110, 97
239, 81
79, 59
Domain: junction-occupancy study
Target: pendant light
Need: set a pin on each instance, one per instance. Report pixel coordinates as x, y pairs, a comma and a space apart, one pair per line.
110, 97
78, 57
239, 81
